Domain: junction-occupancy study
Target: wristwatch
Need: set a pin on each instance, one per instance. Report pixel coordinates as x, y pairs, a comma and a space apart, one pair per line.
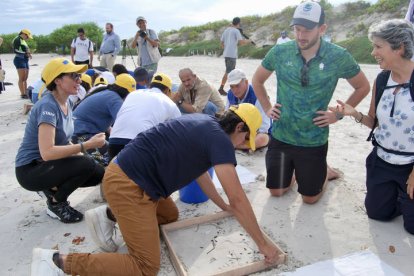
180, 102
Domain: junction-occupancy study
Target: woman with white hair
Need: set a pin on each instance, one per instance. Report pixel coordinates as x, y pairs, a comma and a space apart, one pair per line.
390, 173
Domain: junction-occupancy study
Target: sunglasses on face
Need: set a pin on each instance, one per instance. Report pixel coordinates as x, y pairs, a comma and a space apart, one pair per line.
304, 75
74, 76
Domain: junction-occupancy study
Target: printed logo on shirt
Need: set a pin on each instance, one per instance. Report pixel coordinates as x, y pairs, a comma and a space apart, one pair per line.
321, 66
48, 113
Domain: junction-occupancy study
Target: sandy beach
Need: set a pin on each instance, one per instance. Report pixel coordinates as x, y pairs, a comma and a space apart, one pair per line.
337, 225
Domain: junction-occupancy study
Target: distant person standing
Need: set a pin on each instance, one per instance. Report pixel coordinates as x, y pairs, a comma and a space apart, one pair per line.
283, 38
81, 50
230, 39
111, 45
21, 60
147, 42
410, 12
2, 73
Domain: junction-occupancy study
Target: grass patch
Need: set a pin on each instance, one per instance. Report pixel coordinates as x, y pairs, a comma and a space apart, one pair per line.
360, 48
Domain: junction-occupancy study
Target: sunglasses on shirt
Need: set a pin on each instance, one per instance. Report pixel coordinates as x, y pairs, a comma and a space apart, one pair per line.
304, 75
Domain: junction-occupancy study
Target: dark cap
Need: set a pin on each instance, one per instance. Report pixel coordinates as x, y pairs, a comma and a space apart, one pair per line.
140, 74
309, 15
81, 30
236, 20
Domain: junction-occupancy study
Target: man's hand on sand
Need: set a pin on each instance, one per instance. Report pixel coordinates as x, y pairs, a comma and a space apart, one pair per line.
270, 252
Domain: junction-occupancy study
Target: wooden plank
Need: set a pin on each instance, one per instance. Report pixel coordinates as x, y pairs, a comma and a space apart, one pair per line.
194, 221
241, 270
179, 268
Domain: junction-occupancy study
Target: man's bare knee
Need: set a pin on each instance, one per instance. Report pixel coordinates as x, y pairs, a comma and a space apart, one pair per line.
311, 199
278, 192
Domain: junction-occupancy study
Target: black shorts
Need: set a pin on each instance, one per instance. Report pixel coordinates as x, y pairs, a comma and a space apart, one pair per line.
82, 62
230, 64
308, 163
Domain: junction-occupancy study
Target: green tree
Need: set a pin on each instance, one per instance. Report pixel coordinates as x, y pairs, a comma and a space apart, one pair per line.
65, 34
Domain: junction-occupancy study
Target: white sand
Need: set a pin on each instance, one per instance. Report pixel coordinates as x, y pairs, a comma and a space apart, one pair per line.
335, 226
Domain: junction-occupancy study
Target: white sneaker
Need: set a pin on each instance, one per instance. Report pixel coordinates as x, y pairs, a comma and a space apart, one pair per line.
101, 228
42, 263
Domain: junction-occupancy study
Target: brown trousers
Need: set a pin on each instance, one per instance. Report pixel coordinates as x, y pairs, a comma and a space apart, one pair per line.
138, 217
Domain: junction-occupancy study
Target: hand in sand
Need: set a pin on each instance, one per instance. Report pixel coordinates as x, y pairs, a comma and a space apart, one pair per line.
270, 253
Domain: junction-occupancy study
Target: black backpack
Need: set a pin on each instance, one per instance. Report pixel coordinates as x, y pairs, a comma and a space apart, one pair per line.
380, 86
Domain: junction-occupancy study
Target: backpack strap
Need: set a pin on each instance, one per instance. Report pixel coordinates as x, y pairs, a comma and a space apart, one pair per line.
380, 84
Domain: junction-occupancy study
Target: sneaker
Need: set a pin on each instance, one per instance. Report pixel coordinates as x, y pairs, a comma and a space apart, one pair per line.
222, 92
42, 263
63, 212
101, 228
24, 96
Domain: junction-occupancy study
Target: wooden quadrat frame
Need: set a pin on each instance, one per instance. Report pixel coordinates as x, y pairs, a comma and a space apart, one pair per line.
249, 268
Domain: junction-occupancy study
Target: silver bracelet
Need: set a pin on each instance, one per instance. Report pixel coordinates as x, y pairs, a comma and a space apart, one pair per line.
82, 148
360, 120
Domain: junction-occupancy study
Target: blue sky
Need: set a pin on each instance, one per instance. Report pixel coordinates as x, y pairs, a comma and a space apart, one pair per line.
43, 16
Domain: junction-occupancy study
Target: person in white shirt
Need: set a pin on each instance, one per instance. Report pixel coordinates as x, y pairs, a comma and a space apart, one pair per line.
141, 110
283, 38
81, 50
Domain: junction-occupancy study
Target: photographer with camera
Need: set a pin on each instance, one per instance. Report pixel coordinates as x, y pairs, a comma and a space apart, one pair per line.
148, 43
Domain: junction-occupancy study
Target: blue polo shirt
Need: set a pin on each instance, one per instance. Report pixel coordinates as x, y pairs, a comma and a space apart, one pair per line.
172, 154
96, 113
300, 103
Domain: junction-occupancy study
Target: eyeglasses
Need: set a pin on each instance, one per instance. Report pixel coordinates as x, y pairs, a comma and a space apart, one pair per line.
304, 75
74, 76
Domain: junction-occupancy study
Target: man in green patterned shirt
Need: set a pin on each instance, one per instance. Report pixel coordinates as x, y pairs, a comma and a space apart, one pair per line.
307, 71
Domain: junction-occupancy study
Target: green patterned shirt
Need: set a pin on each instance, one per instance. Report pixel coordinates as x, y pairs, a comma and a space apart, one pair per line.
299, 104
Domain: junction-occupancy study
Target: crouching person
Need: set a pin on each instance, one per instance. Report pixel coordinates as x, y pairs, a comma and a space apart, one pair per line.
138, 184
46, 161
